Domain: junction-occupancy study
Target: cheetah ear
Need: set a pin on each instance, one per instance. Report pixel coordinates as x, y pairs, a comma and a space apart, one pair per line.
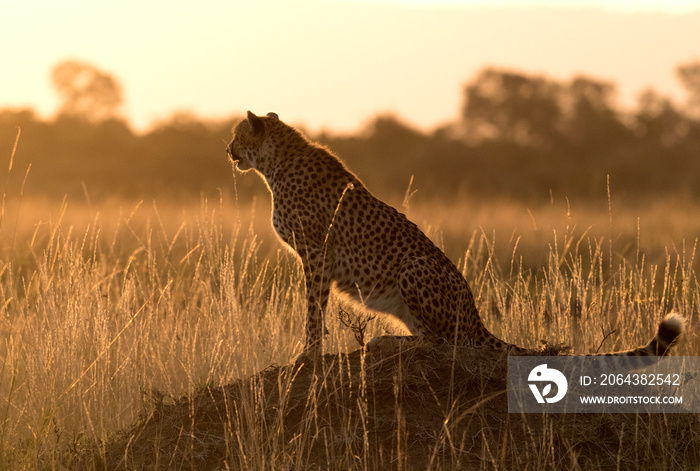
273, 115
255, 123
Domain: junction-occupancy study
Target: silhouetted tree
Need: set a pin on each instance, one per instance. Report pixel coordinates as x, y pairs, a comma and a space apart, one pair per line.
512, 106
391, 134
86, 92
658, 122
592, 122
689, 75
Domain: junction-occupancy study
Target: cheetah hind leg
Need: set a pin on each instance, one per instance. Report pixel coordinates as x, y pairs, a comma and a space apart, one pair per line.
421, 303
389, 343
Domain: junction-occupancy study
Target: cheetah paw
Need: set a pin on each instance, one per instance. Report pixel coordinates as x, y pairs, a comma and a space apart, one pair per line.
383, 344
307, 357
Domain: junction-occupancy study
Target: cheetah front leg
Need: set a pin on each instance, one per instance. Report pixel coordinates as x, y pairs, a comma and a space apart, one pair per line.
318, 283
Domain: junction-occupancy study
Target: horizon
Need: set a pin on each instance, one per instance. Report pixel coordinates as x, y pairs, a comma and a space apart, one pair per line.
404, 58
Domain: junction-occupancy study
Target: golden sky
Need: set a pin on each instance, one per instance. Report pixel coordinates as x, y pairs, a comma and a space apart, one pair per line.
335, 63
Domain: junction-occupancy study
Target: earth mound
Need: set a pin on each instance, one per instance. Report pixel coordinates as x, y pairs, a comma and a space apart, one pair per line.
425, 407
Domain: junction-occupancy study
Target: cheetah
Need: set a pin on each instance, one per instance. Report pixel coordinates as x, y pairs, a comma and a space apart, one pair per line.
343, 234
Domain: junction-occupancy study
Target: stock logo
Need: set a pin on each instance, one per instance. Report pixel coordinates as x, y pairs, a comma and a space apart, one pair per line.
545, 377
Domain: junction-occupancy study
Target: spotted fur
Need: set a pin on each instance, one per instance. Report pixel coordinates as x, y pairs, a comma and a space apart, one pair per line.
374, 254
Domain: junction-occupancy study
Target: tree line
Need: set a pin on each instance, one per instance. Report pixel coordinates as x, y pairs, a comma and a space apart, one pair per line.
519, 136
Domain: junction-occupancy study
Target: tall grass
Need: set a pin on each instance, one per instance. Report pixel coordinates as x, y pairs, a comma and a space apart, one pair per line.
103, 307
95, 312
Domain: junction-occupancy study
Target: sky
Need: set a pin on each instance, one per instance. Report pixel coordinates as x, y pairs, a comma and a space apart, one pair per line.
334, 64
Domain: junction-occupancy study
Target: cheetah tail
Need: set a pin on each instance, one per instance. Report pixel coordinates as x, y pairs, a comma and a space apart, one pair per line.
669, 330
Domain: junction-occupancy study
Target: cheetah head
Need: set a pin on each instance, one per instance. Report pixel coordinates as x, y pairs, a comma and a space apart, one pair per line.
245, 147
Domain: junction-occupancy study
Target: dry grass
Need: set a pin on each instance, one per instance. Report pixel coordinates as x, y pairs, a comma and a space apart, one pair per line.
113, 312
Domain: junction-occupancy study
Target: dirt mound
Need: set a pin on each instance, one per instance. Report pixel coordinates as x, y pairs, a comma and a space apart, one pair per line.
426, 407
